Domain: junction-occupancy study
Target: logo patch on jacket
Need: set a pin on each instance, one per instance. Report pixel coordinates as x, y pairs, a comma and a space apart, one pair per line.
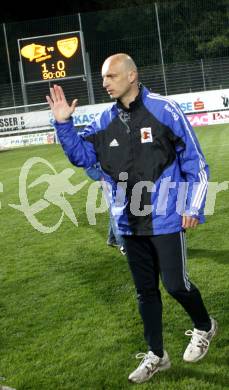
146, 135
114, 142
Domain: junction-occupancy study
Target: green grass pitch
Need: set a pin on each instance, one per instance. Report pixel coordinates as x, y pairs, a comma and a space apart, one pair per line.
68, 313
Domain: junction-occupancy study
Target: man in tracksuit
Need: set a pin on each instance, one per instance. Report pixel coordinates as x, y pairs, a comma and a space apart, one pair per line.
152, 160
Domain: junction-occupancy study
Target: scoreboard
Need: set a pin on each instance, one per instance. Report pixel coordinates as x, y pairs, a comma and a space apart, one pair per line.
50, 57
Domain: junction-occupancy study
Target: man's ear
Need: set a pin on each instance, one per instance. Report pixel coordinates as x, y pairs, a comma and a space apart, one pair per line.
132, 76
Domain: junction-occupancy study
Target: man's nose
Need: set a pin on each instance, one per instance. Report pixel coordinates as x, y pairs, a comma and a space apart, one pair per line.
105, 82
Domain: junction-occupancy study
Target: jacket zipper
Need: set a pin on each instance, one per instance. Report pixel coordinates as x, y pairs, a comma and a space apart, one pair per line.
128, 131
125, 124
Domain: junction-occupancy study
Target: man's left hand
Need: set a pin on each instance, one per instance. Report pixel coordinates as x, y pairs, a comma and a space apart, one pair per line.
189, 222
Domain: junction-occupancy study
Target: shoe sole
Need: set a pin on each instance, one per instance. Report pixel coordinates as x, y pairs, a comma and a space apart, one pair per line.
202, 356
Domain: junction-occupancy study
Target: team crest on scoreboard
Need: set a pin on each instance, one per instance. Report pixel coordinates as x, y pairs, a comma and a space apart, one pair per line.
68, 46
146, 135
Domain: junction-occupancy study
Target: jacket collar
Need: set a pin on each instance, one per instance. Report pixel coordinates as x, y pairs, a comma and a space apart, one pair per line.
133, 105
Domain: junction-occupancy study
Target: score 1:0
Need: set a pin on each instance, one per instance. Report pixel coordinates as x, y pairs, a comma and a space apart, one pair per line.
60, 66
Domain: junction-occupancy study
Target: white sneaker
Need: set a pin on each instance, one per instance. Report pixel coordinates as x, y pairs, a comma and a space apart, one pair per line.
6, 388
149, 365
122, 250
199, 344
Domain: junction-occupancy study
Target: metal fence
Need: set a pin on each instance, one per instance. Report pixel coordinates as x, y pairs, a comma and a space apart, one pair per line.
146, 42
180, 78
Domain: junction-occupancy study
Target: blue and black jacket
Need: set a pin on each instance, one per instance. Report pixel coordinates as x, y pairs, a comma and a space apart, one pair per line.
150, 157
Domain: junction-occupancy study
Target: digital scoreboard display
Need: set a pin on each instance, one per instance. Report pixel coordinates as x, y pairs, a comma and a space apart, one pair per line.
51, 57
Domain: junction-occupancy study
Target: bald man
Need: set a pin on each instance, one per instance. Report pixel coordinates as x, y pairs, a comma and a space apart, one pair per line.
151, 158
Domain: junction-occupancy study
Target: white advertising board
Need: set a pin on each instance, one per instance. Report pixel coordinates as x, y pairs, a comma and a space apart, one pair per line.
209, 118
21, 140
17, 123
195, 105
203, 101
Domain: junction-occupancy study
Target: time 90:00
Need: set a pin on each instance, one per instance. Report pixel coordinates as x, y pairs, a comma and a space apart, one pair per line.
52, 75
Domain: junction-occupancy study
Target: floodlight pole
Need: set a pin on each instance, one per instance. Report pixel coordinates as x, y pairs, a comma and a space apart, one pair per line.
9, 65
203, 75
161, 51
87, 67
23, 86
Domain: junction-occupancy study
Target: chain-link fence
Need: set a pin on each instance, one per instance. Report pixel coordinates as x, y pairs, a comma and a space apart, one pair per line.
172, 43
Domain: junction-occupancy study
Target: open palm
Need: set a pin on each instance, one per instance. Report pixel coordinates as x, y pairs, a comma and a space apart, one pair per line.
59, 105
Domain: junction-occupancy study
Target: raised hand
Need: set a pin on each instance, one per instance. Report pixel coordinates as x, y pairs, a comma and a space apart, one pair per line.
59, 105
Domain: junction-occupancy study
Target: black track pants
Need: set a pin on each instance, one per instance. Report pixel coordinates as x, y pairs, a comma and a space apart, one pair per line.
164, 255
